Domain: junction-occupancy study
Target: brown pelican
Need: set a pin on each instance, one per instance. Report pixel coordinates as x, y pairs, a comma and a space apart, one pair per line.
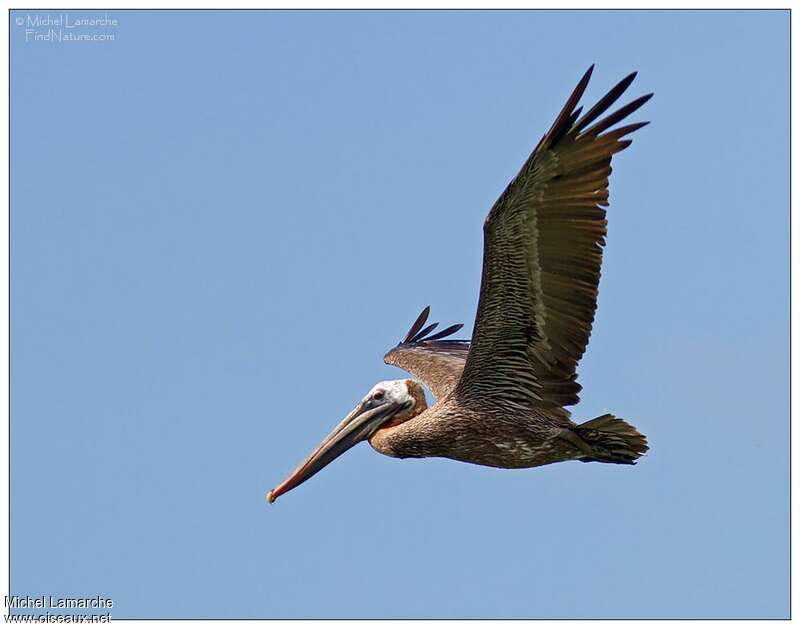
501, 396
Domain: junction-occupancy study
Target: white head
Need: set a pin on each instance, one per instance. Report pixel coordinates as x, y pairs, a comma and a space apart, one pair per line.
398, 391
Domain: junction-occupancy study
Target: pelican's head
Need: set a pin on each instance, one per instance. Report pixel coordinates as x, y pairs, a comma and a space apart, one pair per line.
387, 404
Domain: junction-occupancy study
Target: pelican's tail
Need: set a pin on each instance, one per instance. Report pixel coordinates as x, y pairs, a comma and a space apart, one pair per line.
612, 440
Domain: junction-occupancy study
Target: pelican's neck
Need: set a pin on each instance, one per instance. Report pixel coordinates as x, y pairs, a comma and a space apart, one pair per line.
382, 438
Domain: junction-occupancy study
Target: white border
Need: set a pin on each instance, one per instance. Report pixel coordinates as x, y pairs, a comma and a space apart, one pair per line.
329, 4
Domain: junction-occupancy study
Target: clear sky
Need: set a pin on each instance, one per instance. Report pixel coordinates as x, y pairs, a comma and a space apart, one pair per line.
222, 220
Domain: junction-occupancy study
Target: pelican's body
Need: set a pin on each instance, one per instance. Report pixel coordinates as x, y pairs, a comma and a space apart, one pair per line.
501, 397
451, 430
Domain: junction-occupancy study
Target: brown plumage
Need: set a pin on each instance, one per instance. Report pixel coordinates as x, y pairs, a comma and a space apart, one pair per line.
501, 398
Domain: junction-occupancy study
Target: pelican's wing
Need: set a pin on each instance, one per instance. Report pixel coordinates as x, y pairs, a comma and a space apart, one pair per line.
543, 243
438, 363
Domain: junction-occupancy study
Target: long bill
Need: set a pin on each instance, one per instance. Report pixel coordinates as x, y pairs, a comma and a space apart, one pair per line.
356, 427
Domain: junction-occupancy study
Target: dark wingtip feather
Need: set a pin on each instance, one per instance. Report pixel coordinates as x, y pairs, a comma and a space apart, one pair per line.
620, 114
417, 325
561, 126
604, 103
446, 332
424, 332
621, 132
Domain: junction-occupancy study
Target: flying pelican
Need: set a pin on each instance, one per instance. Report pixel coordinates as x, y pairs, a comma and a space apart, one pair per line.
501, 396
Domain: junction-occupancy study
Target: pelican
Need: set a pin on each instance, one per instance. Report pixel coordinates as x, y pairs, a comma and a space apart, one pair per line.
501, 397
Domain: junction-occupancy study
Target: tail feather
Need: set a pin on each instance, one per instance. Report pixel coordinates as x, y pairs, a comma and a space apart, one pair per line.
612, 440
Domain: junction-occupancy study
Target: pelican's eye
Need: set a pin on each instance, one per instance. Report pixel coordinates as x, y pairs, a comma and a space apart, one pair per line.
378, 395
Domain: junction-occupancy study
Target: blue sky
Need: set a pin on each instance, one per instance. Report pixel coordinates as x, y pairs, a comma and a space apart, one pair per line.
222, 220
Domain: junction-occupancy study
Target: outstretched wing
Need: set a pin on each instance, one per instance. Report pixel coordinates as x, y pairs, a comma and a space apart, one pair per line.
543, 243
438, 363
